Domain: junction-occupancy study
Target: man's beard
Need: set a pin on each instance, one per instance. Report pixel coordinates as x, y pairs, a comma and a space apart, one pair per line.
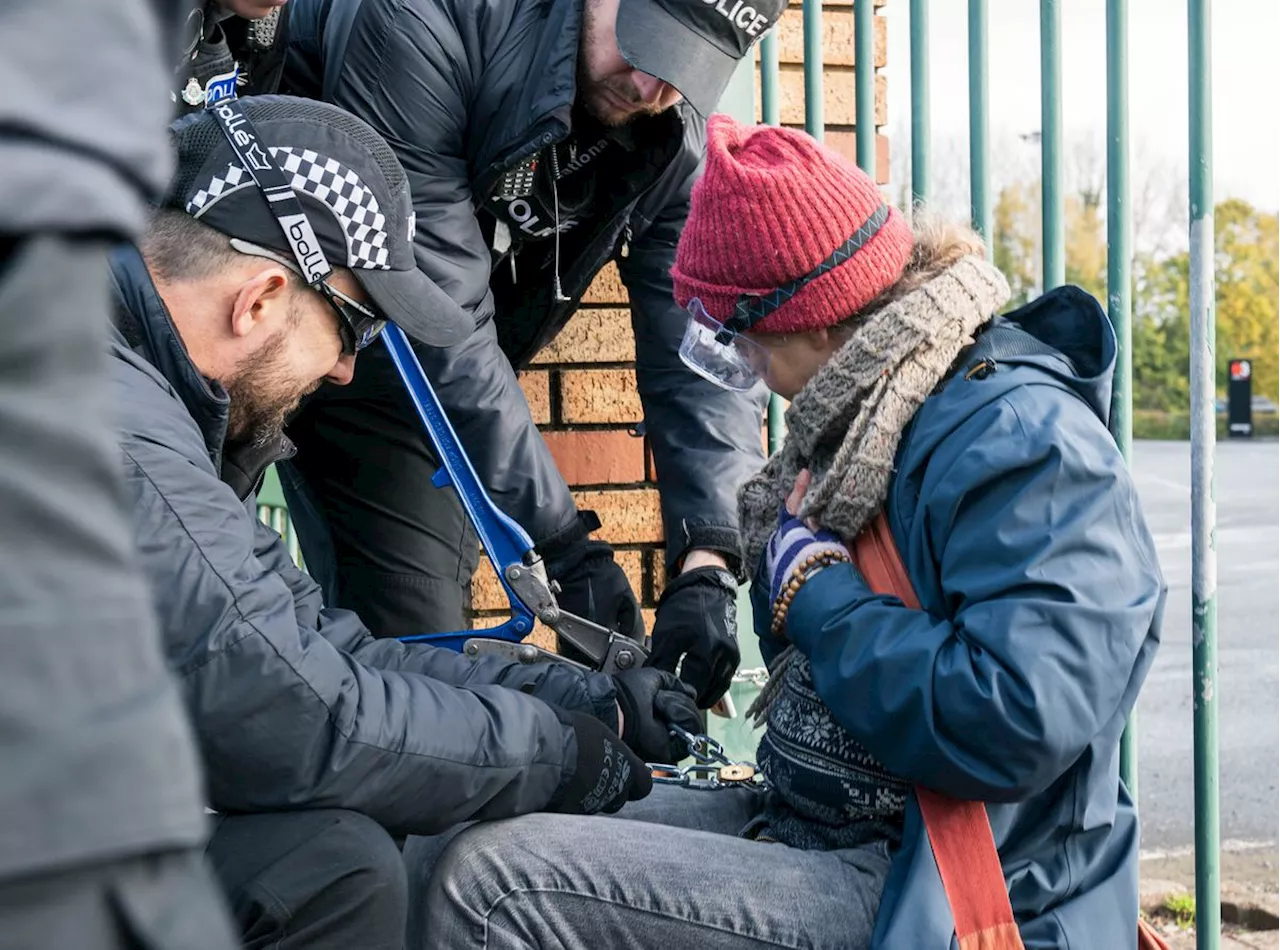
621, 87
262, 396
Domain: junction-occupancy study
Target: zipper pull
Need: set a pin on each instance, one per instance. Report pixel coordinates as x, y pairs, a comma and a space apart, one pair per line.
626, 242
513, 265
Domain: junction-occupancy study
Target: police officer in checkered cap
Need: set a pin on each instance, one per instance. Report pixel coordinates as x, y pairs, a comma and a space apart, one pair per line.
281, 248
347, 183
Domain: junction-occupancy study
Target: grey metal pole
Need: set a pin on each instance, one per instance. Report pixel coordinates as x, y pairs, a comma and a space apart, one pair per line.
770, 99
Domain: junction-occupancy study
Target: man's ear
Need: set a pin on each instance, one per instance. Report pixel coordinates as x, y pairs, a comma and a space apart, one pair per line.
261, 299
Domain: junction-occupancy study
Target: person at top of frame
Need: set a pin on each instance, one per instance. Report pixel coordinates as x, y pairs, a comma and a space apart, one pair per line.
982, 441
542, 140
320, 743
224, 38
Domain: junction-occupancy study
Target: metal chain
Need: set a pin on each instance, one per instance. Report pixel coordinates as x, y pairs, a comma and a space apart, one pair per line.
711, 769
756, 676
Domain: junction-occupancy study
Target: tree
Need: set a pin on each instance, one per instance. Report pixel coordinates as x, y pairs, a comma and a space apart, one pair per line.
1161, 324
1246, 307
1014, 226
1247, 295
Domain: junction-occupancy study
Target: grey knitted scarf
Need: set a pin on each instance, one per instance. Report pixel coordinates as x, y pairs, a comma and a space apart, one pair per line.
845, 425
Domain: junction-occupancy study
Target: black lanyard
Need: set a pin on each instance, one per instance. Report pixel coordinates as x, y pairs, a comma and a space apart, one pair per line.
283, 203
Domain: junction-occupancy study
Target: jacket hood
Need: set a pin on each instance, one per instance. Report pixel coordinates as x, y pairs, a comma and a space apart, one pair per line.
144, 322
1071, 322
1062, 339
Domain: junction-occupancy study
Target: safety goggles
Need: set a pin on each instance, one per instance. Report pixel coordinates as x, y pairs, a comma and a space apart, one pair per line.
722, 352
358, 325
716, 353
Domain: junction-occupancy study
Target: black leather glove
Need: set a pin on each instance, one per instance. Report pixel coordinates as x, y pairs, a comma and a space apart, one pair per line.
698, 619
607, 774
592, 585
651, 698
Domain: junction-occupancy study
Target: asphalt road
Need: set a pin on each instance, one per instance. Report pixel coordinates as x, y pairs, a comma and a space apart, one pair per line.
1248, 645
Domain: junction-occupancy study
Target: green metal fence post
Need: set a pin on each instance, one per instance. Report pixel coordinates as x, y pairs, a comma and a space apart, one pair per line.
770, 110
770, 104
1051, 235
1119, 292
813, 121
919, 101
864, 82
1204, 565
979, 194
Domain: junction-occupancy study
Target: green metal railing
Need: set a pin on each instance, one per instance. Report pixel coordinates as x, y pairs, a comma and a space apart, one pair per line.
979, 177
1204, 563
274, 513
1053, 270
1119, 302
919, 102
1053, 265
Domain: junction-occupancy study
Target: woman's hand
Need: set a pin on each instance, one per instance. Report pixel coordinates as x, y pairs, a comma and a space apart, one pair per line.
796, 541
798, 491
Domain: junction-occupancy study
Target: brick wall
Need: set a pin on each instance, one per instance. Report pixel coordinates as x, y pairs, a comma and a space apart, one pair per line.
582, 387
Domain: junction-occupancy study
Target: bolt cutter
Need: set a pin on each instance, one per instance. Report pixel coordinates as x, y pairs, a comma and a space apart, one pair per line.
510, 549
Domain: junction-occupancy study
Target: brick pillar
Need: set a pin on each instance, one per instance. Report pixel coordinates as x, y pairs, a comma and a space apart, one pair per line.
582, 389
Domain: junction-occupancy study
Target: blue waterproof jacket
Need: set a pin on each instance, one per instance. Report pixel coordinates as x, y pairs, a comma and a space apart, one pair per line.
1041, 603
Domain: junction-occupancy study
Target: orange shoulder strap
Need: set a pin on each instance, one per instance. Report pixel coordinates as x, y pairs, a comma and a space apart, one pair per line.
959, 832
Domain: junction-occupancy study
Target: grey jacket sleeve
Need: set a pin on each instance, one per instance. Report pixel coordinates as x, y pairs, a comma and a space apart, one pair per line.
555, 683
76, 159
407, 73
706, 441
285, 718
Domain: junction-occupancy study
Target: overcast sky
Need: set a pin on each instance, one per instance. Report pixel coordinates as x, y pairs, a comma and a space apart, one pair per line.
1246, 85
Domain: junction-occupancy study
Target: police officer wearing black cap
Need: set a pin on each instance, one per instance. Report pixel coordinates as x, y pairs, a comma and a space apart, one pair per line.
542, 139
321, 744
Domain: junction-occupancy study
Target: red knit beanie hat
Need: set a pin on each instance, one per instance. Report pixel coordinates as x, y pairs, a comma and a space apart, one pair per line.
773, 204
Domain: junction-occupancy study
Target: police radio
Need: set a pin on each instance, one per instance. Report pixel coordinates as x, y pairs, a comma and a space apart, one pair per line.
517, 182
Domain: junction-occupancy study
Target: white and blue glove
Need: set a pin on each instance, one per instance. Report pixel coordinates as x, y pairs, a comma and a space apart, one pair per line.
792, 545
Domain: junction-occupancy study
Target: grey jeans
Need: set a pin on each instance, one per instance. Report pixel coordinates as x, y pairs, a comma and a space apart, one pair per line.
667, 872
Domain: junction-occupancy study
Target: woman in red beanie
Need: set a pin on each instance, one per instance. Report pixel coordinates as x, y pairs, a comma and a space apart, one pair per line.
983, 441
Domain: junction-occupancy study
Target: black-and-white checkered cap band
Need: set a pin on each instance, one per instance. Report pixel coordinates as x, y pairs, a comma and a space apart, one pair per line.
325, 179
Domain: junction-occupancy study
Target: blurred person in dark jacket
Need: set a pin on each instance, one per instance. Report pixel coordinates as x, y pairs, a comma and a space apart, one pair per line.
101, 819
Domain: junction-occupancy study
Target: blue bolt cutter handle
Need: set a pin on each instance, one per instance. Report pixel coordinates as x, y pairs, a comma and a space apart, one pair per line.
503, 539
509, 547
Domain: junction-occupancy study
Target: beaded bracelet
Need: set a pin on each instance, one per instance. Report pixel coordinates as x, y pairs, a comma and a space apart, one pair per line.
812, 564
